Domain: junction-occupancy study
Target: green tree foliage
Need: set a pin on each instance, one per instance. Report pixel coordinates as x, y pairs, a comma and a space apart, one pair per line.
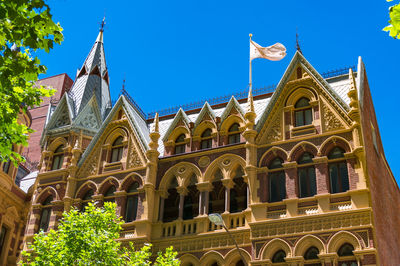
88, 238
26, 26
394, 23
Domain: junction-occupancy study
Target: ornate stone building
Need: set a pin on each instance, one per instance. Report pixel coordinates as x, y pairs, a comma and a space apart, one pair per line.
298, 175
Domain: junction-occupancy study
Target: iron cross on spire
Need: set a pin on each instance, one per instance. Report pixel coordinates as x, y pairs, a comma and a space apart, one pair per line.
103, 23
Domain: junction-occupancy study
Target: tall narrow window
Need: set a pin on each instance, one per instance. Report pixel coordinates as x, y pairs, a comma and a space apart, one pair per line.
109, 195
58, 158
303, 112
346, 255
306, 175
277, 181
45, 216
180, 144
191, 201
116, 150
238, 196
346, 250
279, 256
131, 202
3, 234
206, 139
234, 134
171, 204
338, 173
216, 203
86, 199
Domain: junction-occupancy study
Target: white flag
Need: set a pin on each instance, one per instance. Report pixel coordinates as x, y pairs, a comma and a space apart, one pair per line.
274, 52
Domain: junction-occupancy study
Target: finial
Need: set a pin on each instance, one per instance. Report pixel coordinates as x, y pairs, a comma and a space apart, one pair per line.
103, 23
251, 35
297, 42
156, 123
250, 101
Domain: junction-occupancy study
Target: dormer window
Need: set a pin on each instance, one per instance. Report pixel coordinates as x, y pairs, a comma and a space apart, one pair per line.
206, 139
180, 144
234, 134
58, 158
116, 150
302, 112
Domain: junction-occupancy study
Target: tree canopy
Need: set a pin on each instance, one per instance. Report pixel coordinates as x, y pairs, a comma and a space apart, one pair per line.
89, 238
26, 26
394, 23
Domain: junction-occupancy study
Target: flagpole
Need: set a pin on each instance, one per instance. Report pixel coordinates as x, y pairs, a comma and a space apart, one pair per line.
250, 78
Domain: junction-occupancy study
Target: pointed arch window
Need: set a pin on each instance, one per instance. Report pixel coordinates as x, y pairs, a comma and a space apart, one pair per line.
279, 256
238, 194
131, 202
277, 181
302, 112
171, 204
234, 134
306, 176
311, 253
58, 158
338, 173
117, 150
180, 144
206, 139
46, 213
86, 199
216, 203
346, 255
191, 201
109, 194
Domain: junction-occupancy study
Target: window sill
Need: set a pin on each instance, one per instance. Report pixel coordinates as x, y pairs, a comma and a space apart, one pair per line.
113, 166
302, 130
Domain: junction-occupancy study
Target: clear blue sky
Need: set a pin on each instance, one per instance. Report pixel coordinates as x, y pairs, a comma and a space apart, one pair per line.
177, 52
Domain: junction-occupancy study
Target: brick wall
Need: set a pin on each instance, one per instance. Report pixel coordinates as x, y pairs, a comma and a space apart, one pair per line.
385, 194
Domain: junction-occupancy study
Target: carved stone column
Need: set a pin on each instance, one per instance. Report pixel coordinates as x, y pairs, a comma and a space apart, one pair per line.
228, 184
182, 193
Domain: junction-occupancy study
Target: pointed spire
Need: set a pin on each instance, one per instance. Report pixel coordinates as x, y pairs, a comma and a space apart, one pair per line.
250, 101
93, 79
297, 42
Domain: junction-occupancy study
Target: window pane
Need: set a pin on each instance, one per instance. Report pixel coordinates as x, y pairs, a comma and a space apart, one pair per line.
114, 155
206, 144
234, 138
56, 162
273, 188
308, 116
234, 127
312, 180
303, 182
45, 219
333, 174
131, 208
299, 118
344, 176
303, 102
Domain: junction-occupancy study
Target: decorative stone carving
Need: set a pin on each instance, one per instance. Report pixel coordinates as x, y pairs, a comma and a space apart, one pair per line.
204, 161
91, 168
134, 159
90, 120
275, 131
331, 122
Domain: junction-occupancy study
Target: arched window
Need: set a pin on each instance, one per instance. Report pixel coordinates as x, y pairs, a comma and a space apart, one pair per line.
302, 112
311, 253
277, 180
86, 199
216, 203
171, 204
117, 150
46, 212
180, 144
338, 173
279, 256
206, 139
346, 250
306, 174
191, 201
131, 202
58, 158
109, 195
215, 264
234, 134
238, 194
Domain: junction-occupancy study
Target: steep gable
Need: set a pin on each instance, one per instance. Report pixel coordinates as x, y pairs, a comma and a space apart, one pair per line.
61, 116
180, 119
233, 107
206, 113
90, 117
